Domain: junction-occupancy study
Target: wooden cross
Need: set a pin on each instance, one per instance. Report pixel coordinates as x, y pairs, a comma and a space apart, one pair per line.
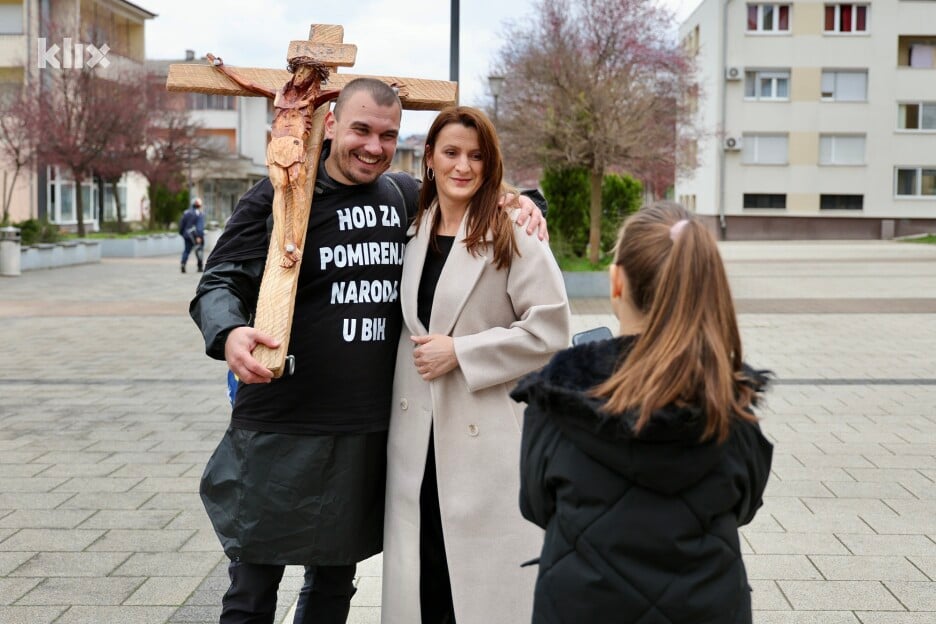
277, 296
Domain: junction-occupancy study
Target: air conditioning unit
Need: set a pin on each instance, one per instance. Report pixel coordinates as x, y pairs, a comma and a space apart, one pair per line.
732, 144
734, 73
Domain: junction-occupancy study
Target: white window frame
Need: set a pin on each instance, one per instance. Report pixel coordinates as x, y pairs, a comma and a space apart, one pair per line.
918, 174
837, 28
751, 147
901, 117
760, 30
835, 90
835, 138
57, 179
773, 75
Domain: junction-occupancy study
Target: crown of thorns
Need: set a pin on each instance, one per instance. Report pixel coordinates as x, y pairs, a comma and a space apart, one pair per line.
319, 70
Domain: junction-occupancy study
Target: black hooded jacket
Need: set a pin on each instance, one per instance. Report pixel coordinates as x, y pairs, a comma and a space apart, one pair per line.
639, 530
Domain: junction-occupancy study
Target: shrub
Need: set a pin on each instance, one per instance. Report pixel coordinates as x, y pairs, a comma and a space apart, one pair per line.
620, 196
34, 231
568, 193
566, 190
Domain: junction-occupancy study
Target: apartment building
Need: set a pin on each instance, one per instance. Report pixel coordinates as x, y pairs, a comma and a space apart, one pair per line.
820, 118
48, 193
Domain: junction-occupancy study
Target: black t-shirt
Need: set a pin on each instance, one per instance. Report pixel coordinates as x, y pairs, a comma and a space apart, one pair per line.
347, 318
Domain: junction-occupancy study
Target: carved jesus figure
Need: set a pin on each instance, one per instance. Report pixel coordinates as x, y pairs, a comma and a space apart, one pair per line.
293, 106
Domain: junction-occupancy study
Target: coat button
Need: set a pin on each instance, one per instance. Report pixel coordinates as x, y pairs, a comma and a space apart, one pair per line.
472, 430
404, 404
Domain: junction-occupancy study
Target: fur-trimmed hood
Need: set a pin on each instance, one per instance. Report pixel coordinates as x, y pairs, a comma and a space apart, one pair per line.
667, 456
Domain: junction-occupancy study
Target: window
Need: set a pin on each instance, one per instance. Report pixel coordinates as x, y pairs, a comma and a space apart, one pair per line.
764, 149
916, 182
846, 18
768, 18
767, 85
845, 86
764, 200
916, 116
841, 202
11, 18
841, 149
916, 51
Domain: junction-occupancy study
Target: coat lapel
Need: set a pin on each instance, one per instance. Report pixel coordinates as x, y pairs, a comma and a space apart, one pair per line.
459, 276
413, 261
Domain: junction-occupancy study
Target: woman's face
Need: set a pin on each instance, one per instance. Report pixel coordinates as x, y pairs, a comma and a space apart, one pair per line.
458, 164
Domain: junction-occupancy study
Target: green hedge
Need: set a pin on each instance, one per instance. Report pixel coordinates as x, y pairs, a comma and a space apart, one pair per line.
568, 194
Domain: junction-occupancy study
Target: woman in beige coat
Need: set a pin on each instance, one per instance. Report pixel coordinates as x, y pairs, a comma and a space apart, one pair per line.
482, 306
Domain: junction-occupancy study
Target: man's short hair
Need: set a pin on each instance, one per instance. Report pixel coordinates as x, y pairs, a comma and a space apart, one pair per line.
382, 93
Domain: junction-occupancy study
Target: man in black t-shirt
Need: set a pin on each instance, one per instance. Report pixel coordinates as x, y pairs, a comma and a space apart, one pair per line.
298, 477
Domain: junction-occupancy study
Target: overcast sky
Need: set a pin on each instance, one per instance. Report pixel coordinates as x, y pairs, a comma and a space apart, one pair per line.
408, 38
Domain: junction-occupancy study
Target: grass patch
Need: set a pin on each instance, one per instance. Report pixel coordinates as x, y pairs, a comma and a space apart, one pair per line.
930, 239
134, 234
575, 264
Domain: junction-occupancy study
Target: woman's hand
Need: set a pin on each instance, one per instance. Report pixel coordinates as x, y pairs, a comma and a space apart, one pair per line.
434, 355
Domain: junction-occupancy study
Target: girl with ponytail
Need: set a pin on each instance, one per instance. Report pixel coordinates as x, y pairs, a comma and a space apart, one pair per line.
641, 454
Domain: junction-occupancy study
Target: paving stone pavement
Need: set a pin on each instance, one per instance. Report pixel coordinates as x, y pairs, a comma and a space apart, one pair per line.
109, 411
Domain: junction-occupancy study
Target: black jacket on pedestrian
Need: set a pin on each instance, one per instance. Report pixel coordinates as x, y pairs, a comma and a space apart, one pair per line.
639, 529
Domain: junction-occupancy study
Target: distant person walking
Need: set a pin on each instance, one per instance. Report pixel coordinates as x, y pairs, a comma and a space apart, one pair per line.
192, 229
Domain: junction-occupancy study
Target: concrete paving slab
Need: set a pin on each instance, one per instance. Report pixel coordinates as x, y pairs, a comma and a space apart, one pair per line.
170, 564
169, 590
807, 617
30, 615
116, 615
53, 564
45, 519
839, 595
79, 591
141, 540
858, 568
915, 596
50, 540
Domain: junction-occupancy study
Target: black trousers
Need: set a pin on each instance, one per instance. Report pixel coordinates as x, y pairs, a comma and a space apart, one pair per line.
251, 598
435, 586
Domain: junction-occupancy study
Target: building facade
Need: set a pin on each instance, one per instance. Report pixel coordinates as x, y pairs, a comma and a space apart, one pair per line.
820, 118
26, 47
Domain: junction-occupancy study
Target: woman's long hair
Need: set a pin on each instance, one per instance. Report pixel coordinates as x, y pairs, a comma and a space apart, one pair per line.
484, 215
690, 350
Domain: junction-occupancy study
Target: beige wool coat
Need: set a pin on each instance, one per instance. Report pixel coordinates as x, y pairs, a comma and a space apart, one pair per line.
505, 323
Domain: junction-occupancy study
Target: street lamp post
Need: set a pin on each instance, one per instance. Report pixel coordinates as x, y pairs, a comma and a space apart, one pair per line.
496, 84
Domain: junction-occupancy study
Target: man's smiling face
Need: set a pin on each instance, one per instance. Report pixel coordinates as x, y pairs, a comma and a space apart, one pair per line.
364, 138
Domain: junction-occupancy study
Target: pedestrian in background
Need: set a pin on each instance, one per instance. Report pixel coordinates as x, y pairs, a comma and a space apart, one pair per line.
192, 229
641, 454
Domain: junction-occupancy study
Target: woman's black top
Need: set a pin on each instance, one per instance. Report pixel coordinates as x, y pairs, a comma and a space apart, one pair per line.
436, 255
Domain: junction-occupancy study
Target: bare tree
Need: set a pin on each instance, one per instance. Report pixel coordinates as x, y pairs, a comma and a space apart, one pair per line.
173, 143
81, 114
17, 142
595, 84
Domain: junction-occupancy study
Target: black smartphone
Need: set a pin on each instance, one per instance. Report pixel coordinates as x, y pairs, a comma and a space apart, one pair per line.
591, 335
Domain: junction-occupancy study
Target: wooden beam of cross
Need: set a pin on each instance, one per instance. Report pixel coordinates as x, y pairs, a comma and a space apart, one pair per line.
277, 297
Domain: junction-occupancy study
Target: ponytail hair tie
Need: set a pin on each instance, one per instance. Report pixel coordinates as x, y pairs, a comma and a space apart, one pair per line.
677, 228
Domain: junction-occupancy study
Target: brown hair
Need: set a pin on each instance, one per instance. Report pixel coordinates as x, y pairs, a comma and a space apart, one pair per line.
483, 214
382, 93
690, 350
